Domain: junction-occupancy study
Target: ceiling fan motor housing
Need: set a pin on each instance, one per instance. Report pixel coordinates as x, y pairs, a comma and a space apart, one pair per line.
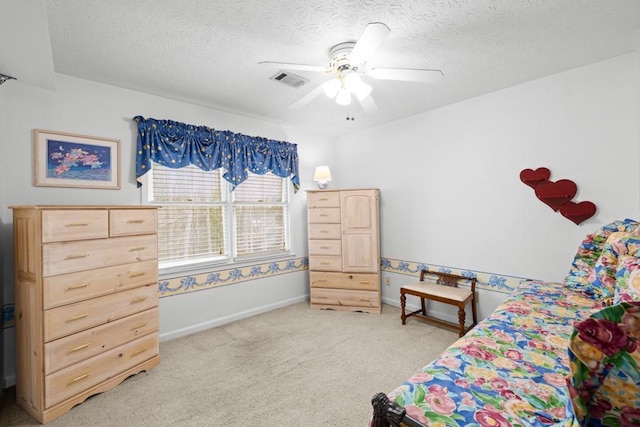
339, 57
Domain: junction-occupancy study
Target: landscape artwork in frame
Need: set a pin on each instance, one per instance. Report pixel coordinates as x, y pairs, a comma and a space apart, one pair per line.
76, 161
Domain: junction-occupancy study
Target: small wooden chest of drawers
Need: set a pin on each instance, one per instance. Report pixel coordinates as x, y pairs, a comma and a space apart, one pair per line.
86, 301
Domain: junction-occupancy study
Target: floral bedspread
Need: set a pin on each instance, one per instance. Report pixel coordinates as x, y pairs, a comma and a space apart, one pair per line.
510, 370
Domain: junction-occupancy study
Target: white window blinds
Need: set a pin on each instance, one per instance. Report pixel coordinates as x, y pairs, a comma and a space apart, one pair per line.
201, 219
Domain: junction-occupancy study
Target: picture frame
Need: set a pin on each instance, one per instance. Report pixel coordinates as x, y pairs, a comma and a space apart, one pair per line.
70, 160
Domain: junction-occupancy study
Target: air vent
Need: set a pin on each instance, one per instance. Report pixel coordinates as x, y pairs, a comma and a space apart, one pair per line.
289, 79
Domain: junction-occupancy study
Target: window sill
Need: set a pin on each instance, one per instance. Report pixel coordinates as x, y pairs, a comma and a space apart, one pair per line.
213, 266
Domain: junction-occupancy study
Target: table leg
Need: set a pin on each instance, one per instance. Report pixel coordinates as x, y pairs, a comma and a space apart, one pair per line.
403, 302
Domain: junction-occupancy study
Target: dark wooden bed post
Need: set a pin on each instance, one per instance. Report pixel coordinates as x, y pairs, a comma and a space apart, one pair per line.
389, 414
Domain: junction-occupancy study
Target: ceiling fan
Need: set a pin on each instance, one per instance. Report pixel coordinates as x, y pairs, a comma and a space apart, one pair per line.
347, 63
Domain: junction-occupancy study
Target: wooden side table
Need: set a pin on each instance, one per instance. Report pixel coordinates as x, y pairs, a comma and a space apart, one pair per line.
441, 287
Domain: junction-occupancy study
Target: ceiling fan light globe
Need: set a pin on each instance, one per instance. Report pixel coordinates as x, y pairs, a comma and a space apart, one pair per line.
352, 81
331, 88
343, 97
362, 91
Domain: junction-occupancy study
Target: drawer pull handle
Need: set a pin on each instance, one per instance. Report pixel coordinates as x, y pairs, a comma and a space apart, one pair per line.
364, 283
324, 231
320, 280
364, 299
135, 221
140, 350
78, 348
322, 297
138, 326
324, 263
76, 256
77, 224
139, 299
323, 215
81, 377
324, 247
78, 317
137, 248
142, 273
77, 286
324, 199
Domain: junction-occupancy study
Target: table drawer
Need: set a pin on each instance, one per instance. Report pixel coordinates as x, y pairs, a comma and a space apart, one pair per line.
77, 378
366, 282
64, 225
66, 320
324, 215
325, 231
325, 247
324, 199
325, 262
67, 257
124, 222
73, 287
345, 297
66, 351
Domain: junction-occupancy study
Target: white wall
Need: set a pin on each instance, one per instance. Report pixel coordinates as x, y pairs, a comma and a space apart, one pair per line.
449, 178
84, 107
450, 192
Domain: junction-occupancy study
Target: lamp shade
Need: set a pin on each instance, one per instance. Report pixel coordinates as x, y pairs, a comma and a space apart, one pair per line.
322, 175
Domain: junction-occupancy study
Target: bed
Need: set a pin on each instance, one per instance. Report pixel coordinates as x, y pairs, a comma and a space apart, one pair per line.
544, 356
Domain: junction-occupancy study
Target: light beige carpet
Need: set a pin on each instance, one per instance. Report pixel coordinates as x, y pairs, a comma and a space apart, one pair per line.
289, 367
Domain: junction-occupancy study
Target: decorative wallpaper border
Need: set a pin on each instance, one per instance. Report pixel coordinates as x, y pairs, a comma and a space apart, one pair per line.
494, 282
199, 282
8, 316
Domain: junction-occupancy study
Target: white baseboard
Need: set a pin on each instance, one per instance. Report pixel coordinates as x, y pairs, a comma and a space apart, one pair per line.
9, 381
228, 319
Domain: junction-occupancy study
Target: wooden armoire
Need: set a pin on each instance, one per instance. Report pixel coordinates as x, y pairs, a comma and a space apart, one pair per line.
344, 249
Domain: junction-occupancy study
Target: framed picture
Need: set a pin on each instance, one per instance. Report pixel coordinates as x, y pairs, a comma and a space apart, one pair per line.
76, 161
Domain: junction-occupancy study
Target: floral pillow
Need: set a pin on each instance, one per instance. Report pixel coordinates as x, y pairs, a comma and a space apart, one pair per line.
627, 279
605, 367
602, 280
591, 248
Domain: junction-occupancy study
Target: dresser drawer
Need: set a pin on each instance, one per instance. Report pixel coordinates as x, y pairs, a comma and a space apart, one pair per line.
325, 262
324, 215
345, 297
64, 225
73, 287
366, 282
67, 257
124, 222
66, 351
323, 199
66, 320
324, 231
77, 378
325, 247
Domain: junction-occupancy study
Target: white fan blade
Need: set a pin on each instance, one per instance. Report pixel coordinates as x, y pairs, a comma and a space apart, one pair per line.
369, 104
307, 98
406, 74
372, 37
290, 66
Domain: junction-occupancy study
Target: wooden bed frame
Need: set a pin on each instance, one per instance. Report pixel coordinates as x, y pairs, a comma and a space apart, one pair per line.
389, 414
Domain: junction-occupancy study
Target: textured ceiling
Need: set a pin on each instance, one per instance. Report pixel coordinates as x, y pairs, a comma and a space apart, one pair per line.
206, 52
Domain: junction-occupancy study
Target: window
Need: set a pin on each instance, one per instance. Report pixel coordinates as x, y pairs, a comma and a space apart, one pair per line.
203, 222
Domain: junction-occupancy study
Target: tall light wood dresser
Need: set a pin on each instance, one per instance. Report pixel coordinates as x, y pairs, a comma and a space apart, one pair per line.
86, 302
344, 249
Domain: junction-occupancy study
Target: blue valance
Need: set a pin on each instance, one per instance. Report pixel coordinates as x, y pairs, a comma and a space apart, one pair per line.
176, 145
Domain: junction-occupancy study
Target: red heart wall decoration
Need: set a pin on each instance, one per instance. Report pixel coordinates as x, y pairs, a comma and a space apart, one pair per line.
534, 177
556, 194
578, 212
